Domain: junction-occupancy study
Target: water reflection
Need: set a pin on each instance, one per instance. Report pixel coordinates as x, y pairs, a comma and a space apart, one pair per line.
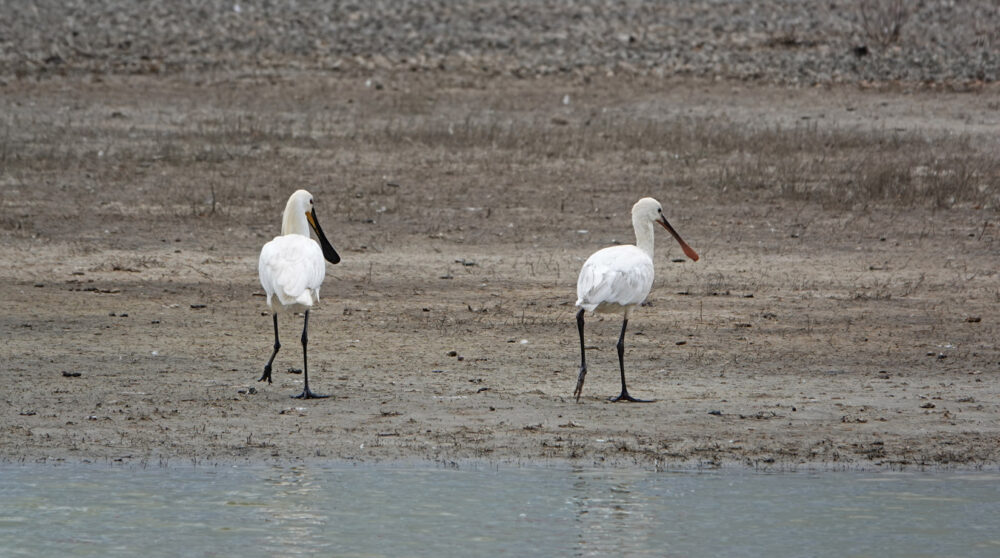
292, 511
611, 517
427, 511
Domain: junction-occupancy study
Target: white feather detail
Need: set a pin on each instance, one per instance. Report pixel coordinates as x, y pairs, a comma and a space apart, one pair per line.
613, 278
292, 268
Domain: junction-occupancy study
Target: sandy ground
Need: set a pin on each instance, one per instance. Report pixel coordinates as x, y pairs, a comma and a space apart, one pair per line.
810, 334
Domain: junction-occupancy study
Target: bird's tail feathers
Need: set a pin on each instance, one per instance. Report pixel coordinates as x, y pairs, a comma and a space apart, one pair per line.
306, 298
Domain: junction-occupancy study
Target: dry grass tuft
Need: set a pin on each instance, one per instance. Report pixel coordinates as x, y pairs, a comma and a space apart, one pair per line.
882, 20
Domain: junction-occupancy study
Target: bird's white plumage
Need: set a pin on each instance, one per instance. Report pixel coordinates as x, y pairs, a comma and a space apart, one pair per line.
614, 278
617, 278
291, 269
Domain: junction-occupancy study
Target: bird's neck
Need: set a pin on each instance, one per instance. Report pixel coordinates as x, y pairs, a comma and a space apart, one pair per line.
644, 235
294, 222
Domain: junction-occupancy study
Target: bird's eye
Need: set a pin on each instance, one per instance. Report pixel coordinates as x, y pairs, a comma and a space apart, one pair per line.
310, 201
659, 210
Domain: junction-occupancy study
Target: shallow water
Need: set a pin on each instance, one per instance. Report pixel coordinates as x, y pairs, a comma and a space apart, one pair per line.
398, 511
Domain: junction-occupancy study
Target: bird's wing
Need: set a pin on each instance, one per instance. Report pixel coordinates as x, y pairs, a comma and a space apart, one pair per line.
616, 275
289, 265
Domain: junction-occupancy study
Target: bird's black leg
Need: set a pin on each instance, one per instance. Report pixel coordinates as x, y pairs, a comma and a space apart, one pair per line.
267, 367
624, 396
306, 394
583, 357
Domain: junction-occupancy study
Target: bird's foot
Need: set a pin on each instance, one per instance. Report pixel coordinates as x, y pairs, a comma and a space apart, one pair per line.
624, 396
579, 383
306, 394
266, 375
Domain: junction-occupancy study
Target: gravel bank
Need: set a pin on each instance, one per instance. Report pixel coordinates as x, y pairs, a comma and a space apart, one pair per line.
786, 42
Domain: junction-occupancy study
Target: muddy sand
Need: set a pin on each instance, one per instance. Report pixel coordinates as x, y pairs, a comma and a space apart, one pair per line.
816, 331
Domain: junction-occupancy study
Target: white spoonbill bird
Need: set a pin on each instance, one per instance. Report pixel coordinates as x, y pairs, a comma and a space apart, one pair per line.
291, 269
618, 278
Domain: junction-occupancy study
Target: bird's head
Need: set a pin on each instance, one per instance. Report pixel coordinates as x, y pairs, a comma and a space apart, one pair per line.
650, 210
300, 204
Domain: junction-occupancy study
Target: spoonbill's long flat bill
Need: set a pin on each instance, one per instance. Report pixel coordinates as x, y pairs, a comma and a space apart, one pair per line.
618, 278
291, 269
